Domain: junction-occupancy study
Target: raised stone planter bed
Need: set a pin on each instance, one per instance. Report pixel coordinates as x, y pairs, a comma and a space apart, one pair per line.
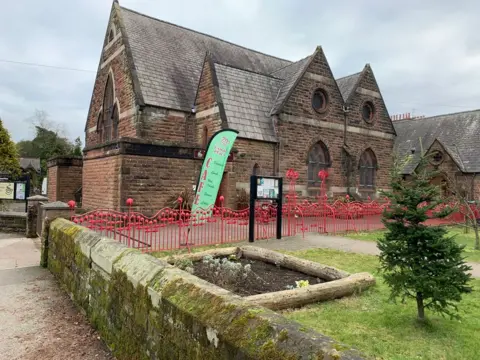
268, 278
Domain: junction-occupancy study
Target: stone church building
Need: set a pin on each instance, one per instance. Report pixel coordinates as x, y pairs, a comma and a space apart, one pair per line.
162, 90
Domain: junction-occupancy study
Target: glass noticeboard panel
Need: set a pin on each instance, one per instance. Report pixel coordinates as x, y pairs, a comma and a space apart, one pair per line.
20, 191
267, 188
7, 190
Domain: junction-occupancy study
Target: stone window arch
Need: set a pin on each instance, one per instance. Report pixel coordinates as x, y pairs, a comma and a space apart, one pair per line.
318, 159
368, 169
110, 112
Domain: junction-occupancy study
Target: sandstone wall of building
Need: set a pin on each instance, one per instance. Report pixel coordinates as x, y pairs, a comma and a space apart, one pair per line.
101, 182
64, 178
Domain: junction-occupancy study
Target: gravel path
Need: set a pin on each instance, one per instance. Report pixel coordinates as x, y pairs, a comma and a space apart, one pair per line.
38, 321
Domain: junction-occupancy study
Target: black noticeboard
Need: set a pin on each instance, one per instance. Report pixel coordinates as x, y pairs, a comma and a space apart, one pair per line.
265, 188
17, 190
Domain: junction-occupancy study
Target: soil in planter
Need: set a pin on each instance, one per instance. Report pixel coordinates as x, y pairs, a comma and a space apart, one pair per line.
263, 278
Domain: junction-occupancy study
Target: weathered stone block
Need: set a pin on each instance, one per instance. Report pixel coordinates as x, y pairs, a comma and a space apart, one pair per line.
139, 269
105, 252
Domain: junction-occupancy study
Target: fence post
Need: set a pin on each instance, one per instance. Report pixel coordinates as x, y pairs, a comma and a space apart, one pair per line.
222, 199
32, 214
51, 211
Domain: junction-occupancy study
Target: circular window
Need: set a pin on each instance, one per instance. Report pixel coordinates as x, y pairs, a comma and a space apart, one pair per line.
368, 111
437, 157
319, 100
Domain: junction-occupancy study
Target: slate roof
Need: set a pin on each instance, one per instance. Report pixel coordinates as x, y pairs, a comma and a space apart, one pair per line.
247, 98
459, 133
347, 84
168, 62
169, 58
34, 163
291, 75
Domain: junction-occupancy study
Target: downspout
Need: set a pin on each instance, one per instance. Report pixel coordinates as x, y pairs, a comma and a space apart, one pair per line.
276, 155
346, 110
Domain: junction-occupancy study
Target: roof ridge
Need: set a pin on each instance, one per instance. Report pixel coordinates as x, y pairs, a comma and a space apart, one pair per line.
435, 116
201, 33
344, 77
247, 70
292, 63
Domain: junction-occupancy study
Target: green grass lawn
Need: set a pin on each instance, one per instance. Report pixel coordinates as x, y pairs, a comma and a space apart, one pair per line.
383, 330
461, 237
379, 328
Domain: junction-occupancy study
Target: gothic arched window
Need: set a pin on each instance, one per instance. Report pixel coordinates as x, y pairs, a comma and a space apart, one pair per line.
108, 126
318, 159
368, 169
115, 120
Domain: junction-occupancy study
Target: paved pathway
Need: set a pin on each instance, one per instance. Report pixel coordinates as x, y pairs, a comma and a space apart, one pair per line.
312, 241
38, 321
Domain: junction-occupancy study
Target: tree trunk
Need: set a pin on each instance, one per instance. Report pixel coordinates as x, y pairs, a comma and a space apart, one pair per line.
477, 238
420, 307
289, 299
324, 272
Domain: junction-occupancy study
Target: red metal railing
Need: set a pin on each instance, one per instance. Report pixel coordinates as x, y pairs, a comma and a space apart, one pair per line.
171, 229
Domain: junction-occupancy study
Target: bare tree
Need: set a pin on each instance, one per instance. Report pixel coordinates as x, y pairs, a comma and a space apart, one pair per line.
41, 119
462, 189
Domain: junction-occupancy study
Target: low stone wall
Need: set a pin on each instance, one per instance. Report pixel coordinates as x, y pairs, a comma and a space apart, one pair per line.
145, 308
13, 222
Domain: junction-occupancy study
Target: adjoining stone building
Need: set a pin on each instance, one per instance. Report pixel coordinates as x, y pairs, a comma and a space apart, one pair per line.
452, 142
162, 90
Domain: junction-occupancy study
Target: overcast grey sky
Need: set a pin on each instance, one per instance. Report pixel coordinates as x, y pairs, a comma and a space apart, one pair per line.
425, 54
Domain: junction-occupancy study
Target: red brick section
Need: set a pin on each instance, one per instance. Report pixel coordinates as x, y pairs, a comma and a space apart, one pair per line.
123, 92
64, 178
52, 176
153, 182
161, 124
381, 121
101, 182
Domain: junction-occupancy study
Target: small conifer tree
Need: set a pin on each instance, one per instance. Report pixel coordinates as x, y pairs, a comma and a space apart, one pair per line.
419, 261
9, 163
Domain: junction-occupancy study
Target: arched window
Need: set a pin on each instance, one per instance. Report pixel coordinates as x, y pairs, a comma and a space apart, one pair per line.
100, 126
368, 169
256, 169
108, 110
205, 137
318, 159
115, 122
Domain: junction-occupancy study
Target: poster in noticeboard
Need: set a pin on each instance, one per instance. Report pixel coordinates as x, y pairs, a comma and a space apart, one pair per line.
267, 188
7, 190
20, 191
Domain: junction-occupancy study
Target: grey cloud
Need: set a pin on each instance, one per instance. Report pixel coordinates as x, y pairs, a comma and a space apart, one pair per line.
425, 54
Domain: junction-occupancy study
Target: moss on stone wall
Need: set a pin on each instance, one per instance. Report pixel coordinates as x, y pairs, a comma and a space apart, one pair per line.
147, 309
